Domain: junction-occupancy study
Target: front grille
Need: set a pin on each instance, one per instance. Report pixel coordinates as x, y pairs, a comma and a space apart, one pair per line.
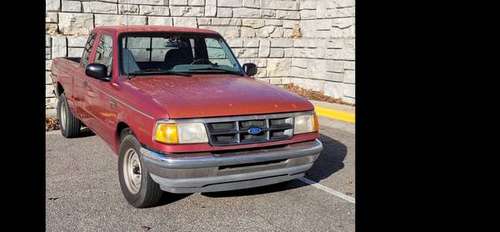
237, 131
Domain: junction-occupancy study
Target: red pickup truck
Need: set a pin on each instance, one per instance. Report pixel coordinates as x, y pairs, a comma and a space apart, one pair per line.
182, 114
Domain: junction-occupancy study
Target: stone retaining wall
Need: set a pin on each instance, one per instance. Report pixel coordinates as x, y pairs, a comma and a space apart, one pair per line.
306, 42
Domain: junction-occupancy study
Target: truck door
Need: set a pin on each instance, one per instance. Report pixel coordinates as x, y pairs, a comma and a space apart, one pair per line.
98, 97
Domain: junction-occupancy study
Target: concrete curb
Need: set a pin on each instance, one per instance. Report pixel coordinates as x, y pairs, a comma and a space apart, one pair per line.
335, 114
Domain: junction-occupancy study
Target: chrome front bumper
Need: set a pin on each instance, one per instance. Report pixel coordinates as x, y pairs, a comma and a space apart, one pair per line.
211, 172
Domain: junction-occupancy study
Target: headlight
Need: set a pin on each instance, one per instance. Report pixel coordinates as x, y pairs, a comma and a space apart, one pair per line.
180, 133
305, 123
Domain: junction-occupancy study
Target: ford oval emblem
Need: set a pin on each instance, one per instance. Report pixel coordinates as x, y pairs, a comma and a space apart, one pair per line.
254, 130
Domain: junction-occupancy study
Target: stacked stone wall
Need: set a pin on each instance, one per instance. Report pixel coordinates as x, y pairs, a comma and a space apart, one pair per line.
306, 42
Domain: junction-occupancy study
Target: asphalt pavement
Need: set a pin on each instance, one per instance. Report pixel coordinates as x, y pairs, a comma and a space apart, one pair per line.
83, 193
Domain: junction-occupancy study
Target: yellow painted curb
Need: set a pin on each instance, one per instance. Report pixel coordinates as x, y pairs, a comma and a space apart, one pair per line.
335, 114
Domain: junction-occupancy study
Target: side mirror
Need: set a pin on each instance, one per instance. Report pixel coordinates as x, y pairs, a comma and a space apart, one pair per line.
250, 69
97, 71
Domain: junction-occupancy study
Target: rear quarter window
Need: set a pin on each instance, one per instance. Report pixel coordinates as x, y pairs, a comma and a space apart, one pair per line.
104, 52
87, 49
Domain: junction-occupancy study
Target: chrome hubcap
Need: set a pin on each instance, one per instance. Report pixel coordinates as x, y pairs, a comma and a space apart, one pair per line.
132, 171
63, 115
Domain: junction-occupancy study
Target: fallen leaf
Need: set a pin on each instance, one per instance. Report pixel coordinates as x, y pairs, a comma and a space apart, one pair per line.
314, 95
51, 123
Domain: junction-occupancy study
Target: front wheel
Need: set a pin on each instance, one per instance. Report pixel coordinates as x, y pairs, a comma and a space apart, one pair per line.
135, 182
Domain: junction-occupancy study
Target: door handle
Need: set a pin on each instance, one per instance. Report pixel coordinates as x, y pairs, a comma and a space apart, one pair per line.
85, 83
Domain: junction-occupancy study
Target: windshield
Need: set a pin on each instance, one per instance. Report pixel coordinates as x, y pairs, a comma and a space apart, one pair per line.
178, 53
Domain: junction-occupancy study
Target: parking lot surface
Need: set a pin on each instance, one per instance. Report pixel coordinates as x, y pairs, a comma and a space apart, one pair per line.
83, 193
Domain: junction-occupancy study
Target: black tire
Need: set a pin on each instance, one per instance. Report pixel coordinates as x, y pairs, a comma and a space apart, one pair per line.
69, 125
149, 192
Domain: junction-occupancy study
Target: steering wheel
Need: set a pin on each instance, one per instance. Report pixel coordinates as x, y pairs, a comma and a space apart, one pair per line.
152, 69
201, 61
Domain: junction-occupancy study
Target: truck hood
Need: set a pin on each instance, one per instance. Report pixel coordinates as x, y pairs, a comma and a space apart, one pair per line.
216, 95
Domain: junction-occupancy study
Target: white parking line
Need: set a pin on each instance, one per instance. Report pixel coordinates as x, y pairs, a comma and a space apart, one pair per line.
328, 190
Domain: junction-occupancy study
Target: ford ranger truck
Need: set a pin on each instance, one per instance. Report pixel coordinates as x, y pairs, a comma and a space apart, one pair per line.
181, 113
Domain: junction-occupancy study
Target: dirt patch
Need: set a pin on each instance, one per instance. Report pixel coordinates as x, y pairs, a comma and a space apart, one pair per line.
51, 123
314, 95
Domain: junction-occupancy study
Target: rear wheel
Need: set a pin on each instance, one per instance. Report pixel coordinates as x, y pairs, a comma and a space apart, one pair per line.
69, 124
135, 182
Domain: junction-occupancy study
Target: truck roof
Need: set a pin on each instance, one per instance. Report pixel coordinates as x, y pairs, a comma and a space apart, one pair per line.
151, 28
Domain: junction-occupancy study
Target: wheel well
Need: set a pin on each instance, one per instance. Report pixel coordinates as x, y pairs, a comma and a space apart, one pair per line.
60, 89
119, 128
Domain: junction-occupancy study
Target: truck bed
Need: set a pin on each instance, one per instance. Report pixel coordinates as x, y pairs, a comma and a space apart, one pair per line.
74, 59
63, 70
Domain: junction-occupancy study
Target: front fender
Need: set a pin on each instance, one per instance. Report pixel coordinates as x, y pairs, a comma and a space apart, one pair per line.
140, 125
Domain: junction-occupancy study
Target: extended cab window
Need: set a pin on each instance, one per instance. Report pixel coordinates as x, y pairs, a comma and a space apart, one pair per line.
87, 49
144, 53
104, 52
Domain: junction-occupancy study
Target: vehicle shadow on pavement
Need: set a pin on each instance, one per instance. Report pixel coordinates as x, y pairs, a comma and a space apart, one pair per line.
85, 132
168, 198
329, 161
293, 184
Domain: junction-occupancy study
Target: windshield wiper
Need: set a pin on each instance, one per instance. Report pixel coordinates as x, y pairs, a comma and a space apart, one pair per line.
216, 69
168, 72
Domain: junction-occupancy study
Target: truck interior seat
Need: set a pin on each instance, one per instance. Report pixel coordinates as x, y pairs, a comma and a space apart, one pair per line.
178, 56
130, 65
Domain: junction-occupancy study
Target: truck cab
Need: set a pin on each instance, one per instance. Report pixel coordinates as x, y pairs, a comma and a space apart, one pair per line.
182, 114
